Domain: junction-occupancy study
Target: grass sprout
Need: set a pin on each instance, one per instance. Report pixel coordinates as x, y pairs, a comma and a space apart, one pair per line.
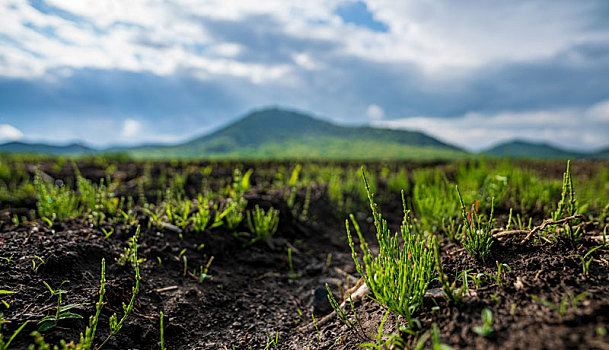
477, 231
401, 272
567, 301
263, 224
4, 345
61, 311
162, 332
486, 330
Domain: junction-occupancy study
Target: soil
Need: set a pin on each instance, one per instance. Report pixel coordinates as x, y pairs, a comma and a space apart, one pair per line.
253, 296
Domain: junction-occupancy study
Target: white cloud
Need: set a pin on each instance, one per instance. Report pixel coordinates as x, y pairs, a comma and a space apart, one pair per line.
441, 37
131, 128
570, 128
375, 112
9, 133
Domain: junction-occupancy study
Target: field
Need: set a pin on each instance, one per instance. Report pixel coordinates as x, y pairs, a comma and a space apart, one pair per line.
119, 254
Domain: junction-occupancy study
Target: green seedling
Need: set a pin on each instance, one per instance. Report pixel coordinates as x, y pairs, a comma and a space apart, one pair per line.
201, 218
86, 340
108, 233
400, 273
128, 255
8, 260
293, 274
451, 293
115, 323
4, 345
567, 206
61, 312
567, 301
162, 332
586, 263
486, 330
341, 314
435, 339
262, 224
477, 231
385, 341
316, 328
34, 266
272, 341
202, 275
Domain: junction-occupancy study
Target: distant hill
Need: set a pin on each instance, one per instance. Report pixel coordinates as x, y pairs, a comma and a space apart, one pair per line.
524, 149
279, 133
41, 148
601, 154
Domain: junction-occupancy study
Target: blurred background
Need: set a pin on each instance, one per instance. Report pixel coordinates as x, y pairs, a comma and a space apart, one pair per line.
467, 76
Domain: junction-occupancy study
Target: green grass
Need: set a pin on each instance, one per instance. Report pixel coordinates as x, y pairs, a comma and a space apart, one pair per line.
400, 273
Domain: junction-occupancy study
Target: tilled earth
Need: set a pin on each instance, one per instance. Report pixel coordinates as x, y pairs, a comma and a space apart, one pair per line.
254, 296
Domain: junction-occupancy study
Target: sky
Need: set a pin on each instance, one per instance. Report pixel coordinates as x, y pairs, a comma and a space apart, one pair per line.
470, 73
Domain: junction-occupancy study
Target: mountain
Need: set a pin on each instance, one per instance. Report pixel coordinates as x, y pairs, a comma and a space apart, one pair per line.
524, 149
280, 133
41, 148
601, 154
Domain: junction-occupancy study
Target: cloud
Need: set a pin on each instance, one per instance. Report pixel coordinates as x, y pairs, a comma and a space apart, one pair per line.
375, 112
131, 128
9, 133
457, 63
579, 129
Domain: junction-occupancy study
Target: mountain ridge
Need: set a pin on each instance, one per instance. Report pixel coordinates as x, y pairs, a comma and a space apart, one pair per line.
281, 133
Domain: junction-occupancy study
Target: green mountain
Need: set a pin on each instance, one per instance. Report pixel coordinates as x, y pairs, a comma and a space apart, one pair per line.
41, 148
524, 149
601, 154
279, 133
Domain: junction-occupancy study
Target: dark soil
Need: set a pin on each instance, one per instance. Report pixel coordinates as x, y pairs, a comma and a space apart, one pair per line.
253, 296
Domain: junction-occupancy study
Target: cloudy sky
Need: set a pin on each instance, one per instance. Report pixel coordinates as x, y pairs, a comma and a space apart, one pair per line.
468, 72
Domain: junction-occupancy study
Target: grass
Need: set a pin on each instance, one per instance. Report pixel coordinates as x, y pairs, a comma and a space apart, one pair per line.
263, 224
61, 311
568, 301
486, 330
477, 231
400, 273
5, 344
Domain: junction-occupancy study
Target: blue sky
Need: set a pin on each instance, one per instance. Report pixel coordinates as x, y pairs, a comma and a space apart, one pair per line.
471, 73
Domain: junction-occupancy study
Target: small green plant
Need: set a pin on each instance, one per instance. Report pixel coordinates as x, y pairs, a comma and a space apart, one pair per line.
108, 233
586, 263
61, 311
232, 215
201, 217
451, 293
55, 201
486, 330
293, 274
115, 323
477, 231
385, 341
567, 206
341, 314
86, 340
567, 301
162, 332
128, 254
316, 328
4, 345
262, 224
400, 273
272, 341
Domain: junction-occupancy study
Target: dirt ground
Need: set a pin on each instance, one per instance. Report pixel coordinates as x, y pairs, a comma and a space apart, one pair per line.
254, 296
